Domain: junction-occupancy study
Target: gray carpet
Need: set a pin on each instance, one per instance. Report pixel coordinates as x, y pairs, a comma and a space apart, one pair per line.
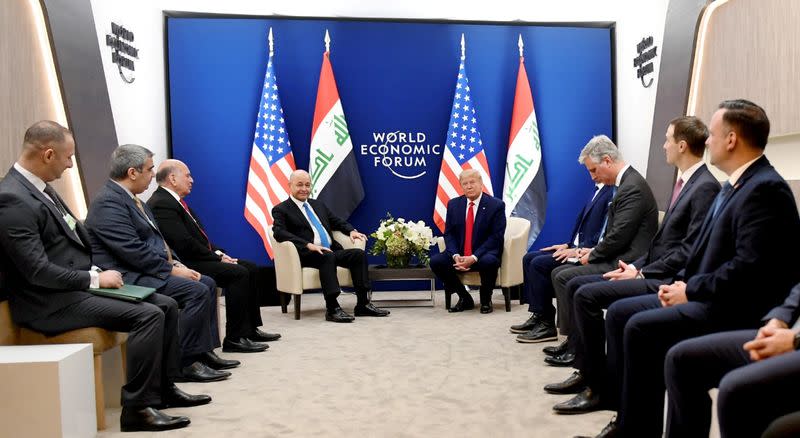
419, 372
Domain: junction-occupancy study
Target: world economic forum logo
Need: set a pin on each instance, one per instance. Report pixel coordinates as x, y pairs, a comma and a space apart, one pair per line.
404, 154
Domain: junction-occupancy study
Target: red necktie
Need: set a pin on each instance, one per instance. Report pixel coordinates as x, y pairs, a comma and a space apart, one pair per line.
468, 230
186, 207
676, 192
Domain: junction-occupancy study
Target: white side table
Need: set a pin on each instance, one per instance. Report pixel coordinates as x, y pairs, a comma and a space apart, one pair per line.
48, 391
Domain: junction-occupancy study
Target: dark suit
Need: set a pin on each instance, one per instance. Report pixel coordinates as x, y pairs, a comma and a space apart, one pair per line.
748, 391
666, 256
487, 244
186, 236
732, 280
45, 266
291, 225
538, 265
125, 239
632, 223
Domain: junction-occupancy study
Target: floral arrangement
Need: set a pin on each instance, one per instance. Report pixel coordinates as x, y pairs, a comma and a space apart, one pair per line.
400, 240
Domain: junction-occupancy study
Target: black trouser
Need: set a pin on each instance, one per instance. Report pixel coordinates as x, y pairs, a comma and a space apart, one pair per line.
442, 265
560, 277
240, 281
353, 259
153, 352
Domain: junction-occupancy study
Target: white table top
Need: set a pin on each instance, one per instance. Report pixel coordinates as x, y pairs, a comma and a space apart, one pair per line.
40, 353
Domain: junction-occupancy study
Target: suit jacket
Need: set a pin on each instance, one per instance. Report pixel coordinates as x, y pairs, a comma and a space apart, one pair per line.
632, 221
45, 265
290, 224
124, 240
733, 265
487, 231
589, 223
789, 311
183, 234
670, 247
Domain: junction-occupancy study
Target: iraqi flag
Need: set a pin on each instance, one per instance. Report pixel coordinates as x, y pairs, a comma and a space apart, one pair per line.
335, 179
525, 188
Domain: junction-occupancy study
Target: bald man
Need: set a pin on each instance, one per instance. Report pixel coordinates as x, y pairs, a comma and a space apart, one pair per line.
308, 224
186, 236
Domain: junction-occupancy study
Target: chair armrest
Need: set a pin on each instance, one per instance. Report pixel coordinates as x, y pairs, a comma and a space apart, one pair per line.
515, 244
439, 240
346, 243
288, 271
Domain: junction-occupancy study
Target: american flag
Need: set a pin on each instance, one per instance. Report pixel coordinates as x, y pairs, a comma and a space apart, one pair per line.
271, 161
464, 149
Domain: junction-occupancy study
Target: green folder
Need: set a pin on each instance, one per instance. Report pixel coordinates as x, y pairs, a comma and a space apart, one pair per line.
127, 292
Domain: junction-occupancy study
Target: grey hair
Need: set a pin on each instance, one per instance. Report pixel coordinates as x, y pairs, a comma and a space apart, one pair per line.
164, 173
126, 157
598, 147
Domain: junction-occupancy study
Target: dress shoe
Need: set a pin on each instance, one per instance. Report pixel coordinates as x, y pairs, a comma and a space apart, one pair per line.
486, 308
525, 326
573, 385
199, 372
565, 360
173, 397
370, 310
242, 345
543, 331
213, 361
462, 305
149, 420
338, 315
557, 350
259, 336
585, 401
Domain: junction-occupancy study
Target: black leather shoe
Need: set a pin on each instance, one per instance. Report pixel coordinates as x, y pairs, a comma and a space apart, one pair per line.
486, 308
565, 360
543, 331
149, 420
573, 385
338, 315
370, 310
585, 401
610, 431
213, 361
199, 372
242, 345
557, 350
462, 305
525, 326
175, 398
259, 336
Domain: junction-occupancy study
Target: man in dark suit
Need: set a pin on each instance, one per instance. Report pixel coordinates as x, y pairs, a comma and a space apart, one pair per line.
474, 230
125, 238
308, 224
732, 277
695, 190
631, 224
750, 367
538, 265
186, 236
47, 267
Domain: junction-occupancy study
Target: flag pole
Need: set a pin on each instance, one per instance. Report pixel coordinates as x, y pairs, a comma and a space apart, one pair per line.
463, 51
327, 42
520, 45
270, 42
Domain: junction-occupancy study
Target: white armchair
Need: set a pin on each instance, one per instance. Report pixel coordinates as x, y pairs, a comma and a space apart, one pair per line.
515, 244
291, 278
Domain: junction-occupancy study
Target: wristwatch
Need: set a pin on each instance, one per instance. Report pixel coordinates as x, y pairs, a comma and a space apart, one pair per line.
797, 341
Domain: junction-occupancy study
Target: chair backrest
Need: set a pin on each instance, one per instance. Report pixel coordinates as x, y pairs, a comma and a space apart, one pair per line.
9, 332
515, 246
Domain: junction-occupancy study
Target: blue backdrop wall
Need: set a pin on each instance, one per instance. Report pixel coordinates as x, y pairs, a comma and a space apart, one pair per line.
393, 77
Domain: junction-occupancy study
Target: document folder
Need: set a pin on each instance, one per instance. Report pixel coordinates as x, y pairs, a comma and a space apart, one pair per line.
128, 292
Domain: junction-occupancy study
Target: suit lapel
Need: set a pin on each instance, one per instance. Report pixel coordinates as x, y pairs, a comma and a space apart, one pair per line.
50, 206
299, 217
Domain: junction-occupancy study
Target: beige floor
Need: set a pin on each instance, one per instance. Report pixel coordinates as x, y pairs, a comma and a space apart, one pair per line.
419, 373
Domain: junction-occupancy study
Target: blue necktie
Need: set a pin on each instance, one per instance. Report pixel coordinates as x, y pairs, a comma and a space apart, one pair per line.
726, 189
605, 221
323, 235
